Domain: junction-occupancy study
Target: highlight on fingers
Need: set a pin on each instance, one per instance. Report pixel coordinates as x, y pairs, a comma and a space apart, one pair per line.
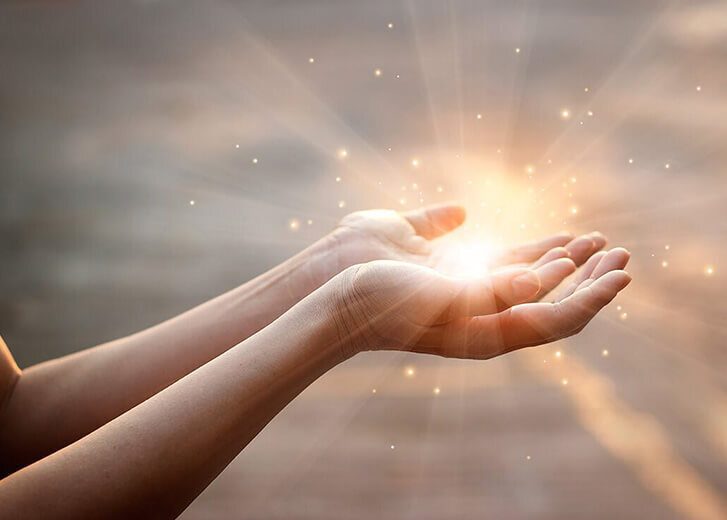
494, 293
436, 220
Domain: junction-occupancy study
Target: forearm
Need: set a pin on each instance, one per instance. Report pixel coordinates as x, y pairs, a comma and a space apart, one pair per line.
156, 458
58, 402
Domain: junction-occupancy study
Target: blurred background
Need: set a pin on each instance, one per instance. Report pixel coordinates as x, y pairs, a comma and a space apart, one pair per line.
154, 154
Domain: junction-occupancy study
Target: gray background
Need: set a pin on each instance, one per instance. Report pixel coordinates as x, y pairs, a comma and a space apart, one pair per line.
114, 115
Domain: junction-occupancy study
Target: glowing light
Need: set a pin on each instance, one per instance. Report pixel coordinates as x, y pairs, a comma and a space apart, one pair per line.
604, 353
342, 153
664, 263
402, 201
479, 116
409, 372
574, 210
667, 166
564, 382
341, 203
586, 89
517, 50
527, 457
440, 189
390, 25
309, 222
708, 270
565, 113
467, 259
699, 88
377, 72
373, 390
338, 179
436, 390
237, 146
559, 354
631, 161
415, 163
590, 113
667, 247
294, 224
624, 315
393, 447
254, 160
191, 203
311, 60
530, 169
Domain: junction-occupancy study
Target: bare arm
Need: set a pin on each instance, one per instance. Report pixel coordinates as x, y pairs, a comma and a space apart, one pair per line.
157, 457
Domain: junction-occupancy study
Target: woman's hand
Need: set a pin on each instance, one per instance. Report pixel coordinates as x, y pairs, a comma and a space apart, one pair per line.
399, 306
380, 234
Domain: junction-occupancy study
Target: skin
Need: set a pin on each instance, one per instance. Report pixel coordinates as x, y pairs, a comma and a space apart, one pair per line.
140, 426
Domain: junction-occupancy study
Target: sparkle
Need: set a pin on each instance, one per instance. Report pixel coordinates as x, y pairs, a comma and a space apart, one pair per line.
377, 72
294, 224
590, 113
667, 247
191, 203
586, 89
237, 146
564, 382
341, 203
565, 113
530, 169
409, 372
667, 166
402, 201
479, 116
254, 160
373, 390
311, 60
309, 222
631, 161
708, 270
604, 352
517, 50
393, 446
527, 457
390, 25
342, 153
624, 315
440, 189
574, 210
338, 179
415, 163
559, 354
664, 263
436, 390
699, 88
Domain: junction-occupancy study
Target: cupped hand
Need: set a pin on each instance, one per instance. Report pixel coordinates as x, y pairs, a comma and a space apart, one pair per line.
402, 306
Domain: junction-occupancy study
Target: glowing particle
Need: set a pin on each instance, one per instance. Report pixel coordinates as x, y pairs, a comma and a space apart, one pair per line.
409, 372
699, 88
624, 315
527, 457
574, 210
573, 180
664, 263
517, 50
618, 307
342, 153
377, 72
479, 116
309, 222
373, 390
559, 354
436, 390
341, 203
667, 166
311, 60
294, 224
530, 169
631, 161
393, 447
402, 201
667, 247
338, 179
191, 203
564, 382
254, 160
390, 25
237, 146
586, 89
604, 352
440, 189
590, 113
708, 270
415, 163
565, 113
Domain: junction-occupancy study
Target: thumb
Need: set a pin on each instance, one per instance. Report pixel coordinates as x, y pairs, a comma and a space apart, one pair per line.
433, 221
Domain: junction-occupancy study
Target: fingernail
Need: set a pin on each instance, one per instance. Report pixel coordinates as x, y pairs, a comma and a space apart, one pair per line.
525, 285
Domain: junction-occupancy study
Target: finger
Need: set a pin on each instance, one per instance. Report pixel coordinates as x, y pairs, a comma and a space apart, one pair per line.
583, 274
483, 337
552, 274
493, 293
553, 254
581, 248
604, 262
531, 251
433, 221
